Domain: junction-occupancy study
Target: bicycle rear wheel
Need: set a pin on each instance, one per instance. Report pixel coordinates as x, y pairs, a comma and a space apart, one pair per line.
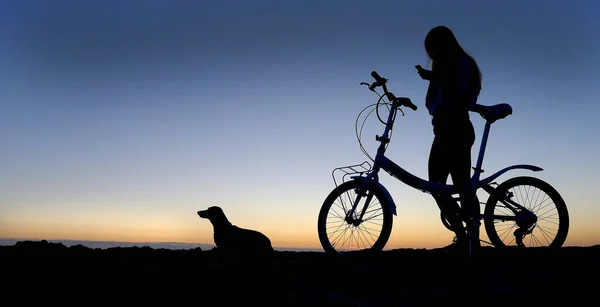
537, 196
339, 234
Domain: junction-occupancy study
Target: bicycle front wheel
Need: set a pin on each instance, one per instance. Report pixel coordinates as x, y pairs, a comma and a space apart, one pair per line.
537, 196
339, 234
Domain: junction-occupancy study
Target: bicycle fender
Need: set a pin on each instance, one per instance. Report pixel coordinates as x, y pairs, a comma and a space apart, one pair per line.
386, 194
512, 167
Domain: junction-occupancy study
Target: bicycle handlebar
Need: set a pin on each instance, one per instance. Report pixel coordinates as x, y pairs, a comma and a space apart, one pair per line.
379, 81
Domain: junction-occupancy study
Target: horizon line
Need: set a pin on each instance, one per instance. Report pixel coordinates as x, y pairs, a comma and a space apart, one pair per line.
103, 244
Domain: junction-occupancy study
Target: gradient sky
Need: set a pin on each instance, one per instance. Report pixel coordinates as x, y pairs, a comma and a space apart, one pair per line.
120, 119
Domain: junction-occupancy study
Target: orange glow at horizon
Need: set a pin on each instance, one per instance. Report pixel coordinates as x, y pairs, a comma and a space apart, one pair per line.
410, 229
307, 239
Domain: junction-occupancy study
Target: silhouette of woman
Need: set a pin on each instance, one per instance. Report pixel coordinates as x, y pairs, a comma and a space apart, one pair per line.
454, 85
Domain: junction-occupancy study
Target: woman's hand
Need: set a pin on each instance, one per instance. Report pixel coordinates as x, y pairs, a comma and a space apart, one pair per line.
424, 73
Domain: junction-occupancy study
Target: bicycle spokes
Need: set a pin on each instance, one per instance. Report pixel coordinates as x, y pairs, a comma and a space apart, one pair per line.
528, 212
353, 216
353, 222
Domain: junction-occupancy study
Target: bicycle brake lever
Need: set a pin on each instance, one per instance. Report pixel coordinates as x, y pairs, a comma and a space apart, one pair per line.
371, 86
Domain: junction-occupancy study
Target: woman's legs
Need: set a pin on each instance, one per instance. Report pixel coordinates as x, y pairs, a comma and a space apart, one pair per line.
451, 155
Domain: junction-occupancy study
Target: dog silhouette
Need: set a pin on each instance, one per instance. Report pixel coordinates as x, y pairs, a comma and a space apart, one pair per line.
232, 240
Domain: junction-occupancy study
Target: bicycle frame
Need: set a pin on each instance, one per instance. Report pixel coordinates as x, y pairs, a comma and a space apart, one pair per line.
382, 162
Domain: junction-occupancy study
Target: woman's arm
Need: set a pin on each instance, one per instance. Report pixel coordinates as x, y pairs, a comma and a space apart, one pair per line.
424, 73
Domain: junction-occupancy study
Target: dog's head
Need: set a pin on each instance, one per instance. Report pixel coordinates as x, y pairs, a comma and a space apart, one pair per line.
211, 213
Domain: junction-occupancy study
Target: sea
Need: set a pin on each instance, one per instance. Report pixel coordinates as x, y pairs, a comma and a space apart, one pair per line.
154, 245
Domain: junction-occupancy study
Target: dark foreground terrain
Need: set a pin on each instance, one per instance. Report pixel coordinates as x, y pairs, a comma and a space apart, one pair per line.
50, 273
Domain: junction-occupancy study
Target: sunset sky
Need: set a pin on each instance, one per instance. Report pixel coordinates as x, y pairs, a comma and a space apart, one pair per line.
120, 119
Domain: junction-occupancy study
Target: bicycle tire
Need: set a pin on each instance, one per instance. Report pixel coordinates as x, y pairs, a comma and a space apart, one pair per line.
332, 217
501, 235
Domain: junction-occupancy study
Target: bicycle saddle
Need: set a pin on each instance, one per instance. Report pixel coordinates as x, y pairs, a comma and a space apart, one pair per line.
493, 113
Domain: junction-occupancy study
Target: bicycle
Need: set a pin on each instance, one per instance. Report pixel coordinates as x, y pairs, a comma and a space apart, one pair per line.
508, 218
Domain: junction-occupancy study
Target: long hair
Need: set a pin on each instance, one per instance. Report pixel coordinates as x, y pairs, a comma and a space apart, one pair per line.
443, 49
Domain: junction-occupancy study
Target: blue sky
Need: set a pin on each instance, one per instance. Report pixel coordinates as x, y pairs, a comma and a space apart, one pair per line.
120, 119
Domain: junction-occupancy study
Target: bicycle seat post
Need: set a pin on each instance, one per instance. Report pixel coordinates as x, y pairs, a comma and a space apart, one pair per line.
478, 170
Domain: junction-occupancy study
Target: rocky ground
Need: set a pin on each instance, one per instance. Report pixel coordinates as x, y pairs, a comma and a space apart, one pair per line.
51, 273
